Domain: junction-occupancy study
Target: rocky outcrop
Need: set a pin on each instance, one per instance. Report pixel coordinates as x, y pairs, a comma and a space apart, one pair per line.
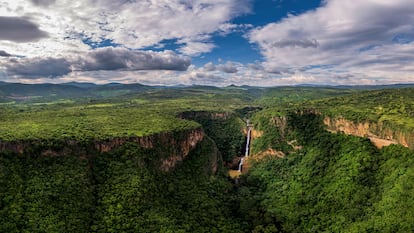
281, 123
176, 145
16, 147
183, 141
379, 133
173, 147
181, 147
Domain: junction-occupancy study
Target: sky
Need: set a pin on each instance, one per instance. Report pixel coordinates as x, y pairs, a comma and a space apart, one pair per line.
208, 42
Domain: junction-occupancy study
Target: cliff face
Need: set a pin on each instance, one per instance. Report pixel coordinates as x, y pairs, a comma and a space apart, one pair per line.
182, 141
173, 146
281, 124
378, 133
16, 147
176, 145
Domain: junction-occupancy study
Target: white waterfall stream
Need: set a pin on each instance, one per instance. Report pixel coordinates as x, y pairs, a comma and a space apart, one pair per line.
248, 142
241, 164
246, 154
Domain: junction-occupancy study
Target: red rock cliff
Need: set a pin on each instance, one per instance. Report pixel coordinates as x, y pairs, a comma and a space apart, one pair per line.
176, 145
378, 133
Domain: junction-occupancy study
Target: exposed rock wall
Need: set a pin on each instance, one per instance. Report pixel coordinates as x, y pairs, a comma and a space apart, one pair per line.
174, 146
380, 134
182, 141
14, 146
281, 123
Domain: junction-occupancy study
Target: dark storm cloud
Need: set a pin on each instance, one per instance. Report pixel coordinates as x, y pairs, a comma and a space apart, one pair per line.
38, 67
100, 59
4, 54
43, 2
124, 59
303, 43
19, 29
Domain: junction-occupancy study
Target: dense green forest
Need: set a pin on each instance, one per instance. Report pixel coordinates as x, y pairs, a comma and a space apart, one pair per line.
119, 191
131, 115
336, 183
327, 182
394, 106
225, 129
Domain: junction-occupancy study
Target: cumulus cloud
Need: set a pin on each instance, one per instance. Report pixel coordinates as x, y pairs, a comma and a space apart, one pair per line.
131, 24
19, 29
303, 43
228, 28
256, 75
196, 48
246, 75
255, 66
103, 59
372, 37
205, 78
43, 2
209, 66
124, 59
341, 42
228, 67
38, 67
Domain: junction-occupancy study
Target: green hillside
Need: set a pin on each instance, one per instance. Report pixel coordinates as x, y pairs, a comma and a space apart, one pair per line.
132, 115
335, 183
392, 105
326, 182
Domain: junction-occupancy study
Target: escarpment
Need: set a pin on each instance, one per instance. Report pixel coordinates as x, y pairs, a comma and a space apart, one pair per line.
170, 147
182, 141
379, 133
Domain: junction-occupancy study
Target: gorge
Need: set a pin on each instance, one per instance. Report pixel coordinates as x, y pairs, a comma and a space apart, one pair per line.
159, 163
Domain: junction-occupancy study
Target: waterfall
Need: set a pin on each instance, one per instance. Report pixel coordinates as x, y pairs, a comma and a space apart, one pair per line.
248, 142
246, 154
241, 164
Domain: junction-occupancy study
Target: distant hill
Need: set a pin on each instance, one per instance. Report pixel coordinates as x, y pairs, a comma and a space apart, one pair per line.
73, 90
18, 92
30, 92
361, 87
